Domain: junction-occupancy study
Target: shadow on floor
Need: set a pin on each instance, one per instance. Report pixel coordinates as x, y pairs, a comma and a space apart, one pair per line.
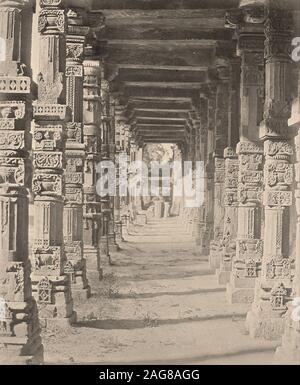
206, 357
148, 276
174, 293
130, 324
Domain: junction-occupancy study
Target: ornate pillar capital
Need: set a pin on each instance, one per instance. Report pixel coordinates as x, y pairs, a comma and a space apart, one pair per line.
278, 30
246, 15
248, 23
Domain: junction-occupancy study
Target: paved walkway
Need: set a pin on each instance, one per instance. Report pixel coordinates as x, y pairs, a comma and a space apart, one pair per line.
158, 303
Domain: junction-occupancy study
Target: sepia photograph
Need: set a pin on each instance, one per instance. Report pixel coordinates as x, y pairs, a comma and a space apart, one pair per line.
149, 186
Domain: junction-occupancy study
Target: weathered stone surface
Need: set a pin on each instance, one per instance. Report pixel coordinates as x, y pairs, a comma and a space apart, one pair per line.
247, 260
50, 284
111, 81
273, 290
19, 325
75, 265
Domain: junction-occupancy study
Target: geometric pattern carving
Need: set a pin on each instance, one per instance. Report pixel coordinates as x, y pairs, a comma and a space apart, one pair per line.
278, 298
45, 291
15, 85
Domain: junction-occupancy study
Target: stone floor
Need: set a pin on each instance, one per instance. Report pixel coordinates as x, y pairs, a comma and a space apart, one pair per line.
157, 304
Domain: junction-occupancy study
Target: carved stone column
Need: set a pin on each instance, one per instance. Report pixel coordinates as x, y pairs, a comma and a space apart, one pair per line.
192, 212
120, 151
230, 216
114, 216
220, 142
92, 141
108, 236
75, 265
199, 225
203, 240
289, 351
209, 173
273, 288
20, 340
247, 260
231, 177
51, 286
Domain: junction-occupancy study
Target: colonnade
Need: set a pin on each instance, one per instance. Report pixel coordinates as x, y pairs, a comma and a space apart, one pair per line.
58, 124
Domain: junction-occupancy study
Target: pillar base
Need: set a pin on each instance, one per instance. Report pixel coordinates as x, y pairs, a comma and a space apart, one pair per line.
203, 247
215, 255
81, 294
20, 343
289, 351
12, 352
240, 290
52, 323
214, 261
80, 288
203, 256
112, 246
54, 300
223, 276
260, 324
141, 219
93, 269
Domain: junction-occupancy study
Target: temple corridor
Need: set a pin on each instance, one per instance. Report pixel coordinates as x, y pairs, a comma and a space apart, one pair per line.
149, 181
159, 303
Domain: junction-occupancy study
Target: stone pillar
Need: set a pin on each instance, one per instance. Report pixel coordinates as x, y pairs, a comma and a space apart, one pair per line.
208, 109
199, 225
289, 351
121, 203
220, 142
176, 201
114, 246
132, 156
75, 265
231, 177
51, 287
20, 340
120, 147
108, 237
247, 260
202, 243
273, 288
92, 141
230, 216
192, 212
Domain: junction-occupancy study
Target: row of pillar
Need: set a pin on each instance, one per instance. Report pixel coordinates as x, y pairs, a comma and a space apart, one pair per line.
54, 132
248, 230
